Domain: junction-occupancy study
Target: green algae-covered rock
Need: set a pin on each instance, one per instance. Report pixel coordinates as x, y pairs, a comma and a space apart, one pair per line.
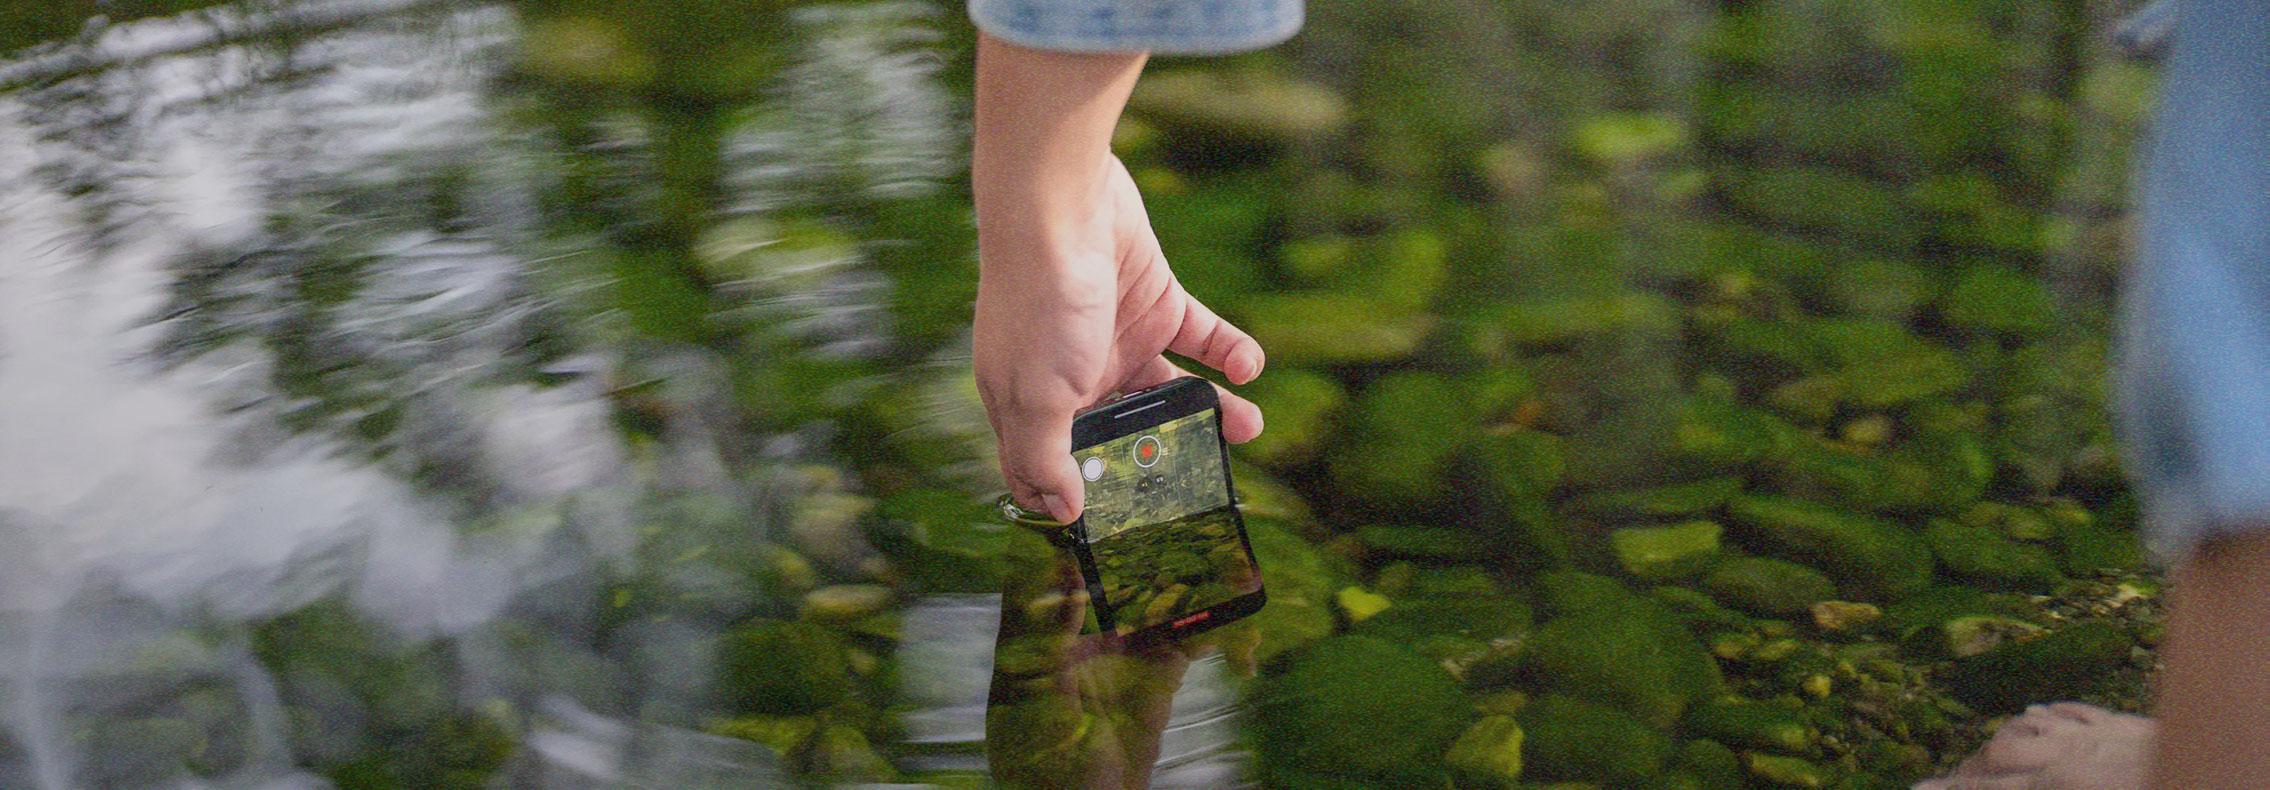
1996, 298
1300, 582
1332, 328
782, 668
1885, 364
1864, 553
1714, 765
1432, 543
1719, 435
1682, 499
1768, 587
1300, 405
947, 540
1667, 553
1407, 426
2061, 665
1446, 627
1566, 593
1982, 555
1754, 725
1519, 462
1562, 319
1781, 771
1571, 739
1615, 648
1254, 104
1359, 706
1824, 200
1488, 754
2089, 547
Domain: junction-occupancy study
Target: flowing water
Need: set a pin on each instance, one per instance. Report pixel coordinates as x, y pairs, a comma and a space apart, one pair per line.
313, 461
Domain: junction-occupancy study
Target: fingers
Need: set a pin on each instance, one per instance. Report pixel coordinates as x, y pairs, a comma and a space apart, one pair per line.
1216, 344
1241, 419
1036, 457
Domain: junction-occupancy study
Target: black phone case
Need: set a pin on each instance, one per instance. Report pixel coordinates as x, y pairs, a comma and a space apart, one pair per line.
1096, 426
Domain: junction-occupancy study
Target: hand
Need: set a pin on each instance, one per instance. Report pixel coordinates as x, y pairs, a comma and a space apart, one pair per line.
1071, 710
1067, 316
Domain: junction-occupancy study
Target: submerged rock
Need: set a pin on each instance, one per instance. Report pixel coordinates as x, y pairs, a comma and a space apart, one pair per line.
1668, 553
1768, 587
1754, 725
782, 668
1488, 754
2064, 664
1569, 738
1979, 554
1864, 553
1357, 705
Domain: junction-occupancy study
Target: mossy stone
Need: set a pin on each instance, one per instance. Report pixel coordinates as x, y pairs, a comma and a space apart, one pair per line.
1323, 328
1431, 543
1783, 771
1442, 627
2088, 548
1570, 739
1997, 298
1755, 725
1982, 555
2065, 664
1634, 655
782, 668
1681, 499
1407, 426
1667, 553
1300, 405
1488, 754
1300, 582
1711, 762
1868, 555
1326, 705
1768, 587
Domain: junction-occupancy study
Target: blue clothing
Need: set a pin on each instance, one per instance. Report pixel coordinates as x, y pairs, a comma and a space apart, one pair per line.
2195, 375
1178, 27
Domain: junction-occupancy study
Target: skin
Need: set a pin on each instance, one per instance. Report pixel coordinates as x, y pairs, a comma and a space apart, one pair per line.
2215, 689
1075, 300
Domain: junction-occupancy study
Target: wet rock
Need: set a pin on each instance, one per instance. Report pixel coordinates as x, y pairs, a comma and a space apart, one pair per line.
2015, 522
843, 752
2065, 664
1520, 462
1488, 754
1431, 543
1885, 364
827, 526
1845, 617
1682, 499
1300, 405
1300, 582
1667, 553
1714, 766
1755, 725
781, 668
2087, 548
1864, 553
1327, 705
1360, 604
1824, 200
1323, 328
1560, 320
1718, 435
1448, 628
1995, 298
1631, 654
843, 603
946, 540
1982, 555
1408, 425
1787, 771
1571, 739
1768, 587
1251, 104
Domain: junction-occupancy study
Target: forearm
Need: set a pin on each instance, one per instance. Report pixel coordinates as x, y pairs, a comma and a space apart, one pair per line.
1044, 123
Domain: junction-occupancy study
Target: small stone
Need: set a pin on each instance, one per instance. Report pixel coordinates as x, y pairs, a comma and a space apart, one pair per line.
1360, 604
1844, 616
1489, 752
842, 603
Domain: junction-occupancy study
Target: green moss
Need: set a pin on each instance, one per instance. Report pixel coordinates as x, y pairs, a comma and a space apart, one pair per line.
1488, 754
774, 667
1300, 582
1667, 553
1768, 587
1299, 405
2065, 664
1571, 739
1754, 725
1980, 554
1866, 554
1330, 328
1327, 705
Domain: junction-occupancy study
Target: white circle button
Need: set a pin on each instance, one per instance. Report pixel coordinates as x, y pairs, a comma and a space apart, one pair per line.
1092, 469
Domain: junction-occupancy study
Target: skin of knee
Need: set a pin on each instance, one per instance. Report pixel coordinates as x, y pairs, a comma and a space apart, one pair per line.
2214, 694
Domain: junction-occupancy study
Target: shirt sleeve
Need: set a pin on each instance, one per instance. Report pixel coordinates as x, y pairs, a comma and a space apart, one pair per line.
1175, 27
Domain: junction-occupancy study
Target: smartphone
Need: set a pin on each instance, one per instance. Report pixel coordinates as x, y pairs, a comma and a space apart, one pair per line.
1160, 540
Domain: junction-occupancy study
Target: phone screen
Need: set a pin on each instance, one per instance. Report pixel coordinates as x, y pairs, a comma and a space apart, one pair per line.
1161, 525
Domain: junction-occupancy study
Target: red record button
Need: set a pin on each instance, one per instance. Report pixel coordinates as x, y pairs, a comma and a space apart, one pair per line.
1146, 451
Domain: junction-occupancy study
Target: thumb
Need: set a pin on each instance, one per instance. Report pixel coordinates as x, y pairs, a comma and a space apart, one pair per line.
1036, 461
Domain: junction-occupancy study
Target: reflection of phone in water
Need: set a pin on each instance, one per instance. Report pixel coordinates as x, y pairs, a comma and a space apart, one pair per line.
1161, 543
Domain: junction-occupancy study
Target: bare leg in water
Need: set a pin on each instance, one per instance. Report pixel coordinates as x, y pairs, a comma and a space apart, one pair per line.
2214, 697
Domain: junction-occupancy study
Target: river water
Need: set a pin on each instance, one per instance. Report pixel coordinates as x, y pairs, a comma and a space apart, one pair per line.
312, 467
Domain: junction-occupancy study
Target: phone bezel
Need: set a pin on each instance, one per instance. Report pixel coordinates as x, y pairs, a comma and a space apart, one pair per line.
1172, 400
